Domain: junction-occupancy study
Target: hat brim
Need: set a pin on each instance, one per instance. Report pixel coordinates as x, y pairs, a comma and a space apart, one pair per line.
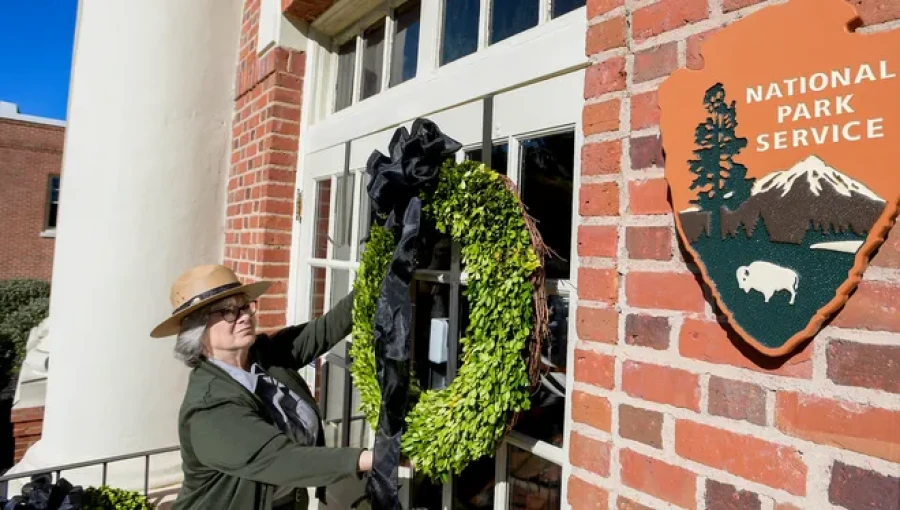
172, 325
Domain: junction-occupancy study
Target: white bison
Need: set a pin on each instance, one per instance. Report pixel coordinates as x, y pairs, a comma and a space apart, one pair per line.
768, 279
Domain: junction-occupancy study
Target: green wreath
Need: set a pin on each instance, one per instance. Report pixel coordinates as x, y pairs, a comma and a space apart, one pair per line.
503, 255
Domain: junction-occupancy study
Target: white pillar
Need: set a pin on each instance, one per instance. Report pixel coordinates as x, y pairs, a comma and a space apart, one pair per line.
145, 165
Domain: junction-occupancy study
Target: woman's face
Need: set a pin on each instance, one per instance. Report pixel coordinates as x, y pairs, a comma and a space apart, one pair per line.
232, 325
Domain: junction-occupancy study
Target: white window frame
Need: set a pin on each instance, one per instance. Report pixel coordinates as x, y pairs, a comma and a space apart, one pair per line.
533, 57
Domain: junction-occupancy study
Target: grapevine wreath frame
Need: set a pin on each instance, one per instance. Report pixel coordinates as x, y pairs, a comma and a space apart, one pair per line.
508, 318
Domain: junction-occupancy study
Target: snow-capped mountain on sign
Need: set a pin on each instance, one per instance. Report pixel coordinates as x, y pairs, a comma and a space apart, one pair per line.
816, 173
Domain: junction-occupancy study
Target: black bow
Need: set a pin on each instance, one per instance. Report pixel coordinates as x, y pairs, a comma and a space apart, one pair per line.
394, 185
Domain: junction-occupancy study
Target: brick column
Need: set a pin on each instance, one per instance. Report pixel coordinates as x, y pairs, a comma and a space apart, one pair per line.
265, 146
668, 407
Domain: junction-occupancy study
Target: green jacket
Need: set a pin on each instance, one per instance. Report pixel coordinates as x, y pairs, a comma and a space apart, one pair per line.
233, 454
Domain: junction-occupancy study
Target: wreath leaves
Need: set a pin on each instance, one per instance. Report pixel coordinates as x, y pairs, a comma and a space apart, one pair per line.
449, 428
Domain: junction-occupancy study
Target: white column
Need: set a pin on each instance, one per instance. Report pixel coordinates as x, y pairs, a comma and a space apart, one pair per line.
144, 172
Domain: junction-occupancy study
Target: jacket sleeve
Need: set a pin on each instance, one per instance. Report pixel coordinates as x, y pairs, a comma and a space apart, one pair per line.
232, 439
306, 342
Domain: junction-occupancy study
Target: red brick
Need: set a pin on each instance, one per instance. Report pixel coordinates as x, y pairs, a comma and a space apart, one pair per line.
601, 158
627, 504
749, 457
666, 291
694, 43
595, 368
737, 400
645, 110
711, 342
601, 117
722, 496
583, 495
786, 506
601, 199
607, 76
597, 324
598, 241
875, 306
854, 487
642, 425
655, 62
864, 365
873, 12
646, 152
649, 197
590, 454
29, 154
599, 7
647, 331
847, 425
667, 15
606, 35
598, 284
669, 483
661, 384
649, 243
591, 410
733, 5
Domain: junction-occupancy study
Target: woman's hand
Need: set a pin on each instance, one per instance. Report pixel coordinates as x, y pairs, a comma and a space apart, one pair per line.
365, 462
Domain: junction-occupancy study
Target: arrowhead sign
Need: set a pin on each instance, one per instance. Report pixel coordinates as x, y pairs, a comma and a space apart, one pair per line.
782, 159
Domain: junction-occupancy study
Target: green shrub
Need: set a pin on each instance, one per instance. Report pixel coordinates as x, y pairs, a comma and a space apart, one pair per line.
108, 498
23, 305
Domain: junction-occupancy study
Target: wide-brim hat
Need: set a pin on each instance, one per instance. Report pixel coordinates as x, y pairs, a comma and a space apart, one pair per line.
199, 287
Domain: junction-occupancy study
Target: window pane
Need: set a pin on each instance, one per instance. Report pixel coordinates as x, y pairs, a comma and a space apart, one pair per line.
499, 157
533, 481
317, 287
343, 217
346, 66
431, 333
475, 486
340, 285
509, 17
373, 60
546, 184
405, 51
460, 36
561, 7
323, 213
365, 213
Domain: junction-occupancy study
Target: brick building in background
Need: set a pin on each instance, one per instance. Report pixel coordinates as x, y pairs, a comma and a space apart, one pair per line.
662, 405
30, 165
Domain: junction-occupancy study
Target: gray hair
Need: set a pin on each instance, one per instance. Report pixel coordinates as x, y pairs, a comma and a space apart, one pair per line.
189, 344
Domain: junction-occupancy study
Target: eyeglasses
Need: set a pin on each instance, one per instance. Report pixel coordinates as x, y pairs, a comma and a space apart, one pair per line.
232, 313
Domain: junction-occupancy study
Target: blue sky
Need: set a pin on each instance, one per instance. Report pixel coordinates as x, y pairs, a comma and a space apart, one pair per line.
36, 54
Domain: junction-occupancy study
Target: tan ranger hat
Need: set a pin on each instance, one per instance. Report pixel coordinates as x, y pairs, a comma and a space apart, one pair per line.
199, 287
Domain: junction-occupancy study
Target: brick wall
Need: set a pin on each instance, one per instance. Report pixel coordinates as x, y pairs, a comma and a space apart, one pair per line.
29, 154
670, 408
265, 143
27, 425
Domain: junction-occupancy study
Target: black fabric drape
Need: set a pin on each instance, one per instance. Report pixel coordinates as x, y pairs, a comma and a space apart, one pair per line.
394, 185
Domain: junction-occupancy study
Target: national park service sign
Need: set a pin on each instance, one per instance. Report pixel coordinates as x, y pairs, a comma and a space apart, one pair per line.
783, 161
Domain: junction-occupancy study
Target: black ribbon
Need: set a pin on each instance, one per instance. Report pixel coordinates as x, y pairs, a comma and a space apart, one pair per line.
394, 185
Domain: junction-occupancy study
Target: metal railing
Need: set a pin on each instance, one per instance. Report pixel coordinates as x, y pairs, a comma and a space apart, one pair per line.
55, 472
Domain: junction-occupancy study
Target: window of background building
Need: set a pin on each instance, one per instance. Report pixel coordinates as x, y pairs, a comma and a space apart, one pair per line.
52, 202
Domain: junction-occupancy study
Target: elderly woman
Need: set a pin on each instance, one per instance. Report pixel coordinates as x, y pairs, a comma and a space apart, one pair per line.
250, 430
